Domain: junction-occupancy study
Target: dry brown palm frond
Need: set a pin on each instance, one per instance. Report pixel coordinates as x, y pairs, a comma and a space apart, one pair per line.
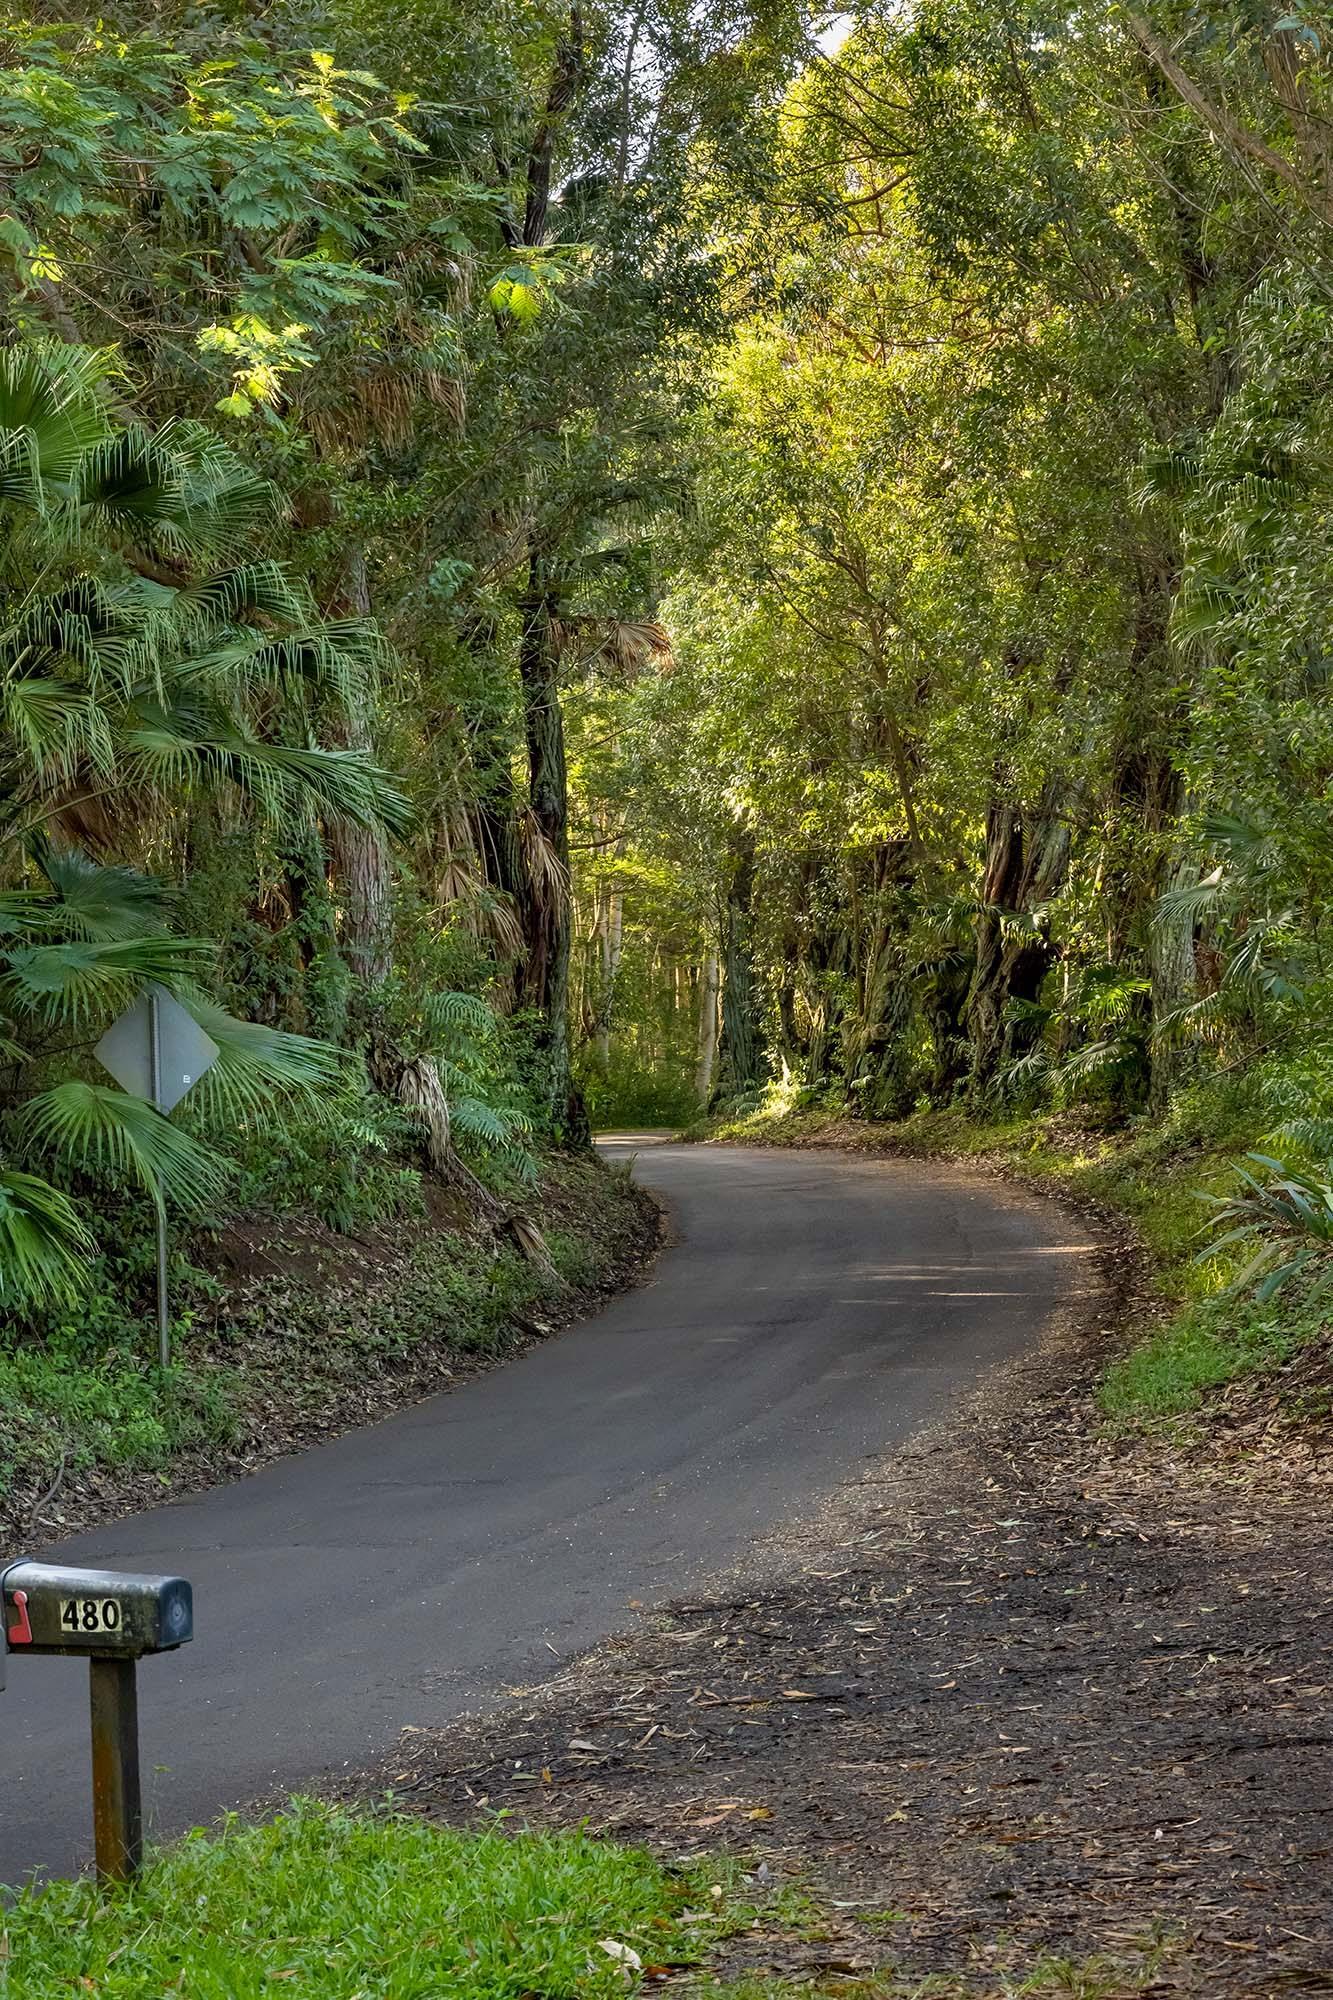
381, 404
494, 918
547, 873
421, 1093
455, 882
487, 914
446, 392
630, 647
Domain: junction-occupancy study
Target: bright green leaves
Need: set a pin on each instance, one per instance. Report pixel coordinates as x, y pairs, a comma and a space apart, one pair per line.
101, 1130
261, 357
262, 182
527, 284
44, 1243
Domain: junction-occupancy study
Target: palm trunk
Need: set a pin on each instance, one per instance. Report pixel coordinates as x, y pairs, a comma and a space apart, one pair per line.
359, 855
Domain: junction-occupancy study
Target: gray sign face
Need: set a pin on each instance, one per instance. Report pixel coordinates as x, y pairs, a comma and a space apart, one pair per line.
184, 1051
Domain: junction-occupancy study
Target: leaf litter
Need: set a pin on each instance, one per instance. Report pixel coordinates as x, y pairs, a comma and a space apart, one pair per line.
1042, 1695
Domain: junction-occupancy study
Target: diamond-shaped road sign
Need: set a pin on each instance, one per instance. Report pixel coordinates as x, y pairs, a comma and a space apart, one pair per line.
162, 1074
158, 1051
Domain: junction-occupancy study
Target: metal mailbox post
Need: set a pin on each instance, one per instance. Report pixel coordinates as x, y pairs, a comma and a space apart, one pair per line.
111, 1620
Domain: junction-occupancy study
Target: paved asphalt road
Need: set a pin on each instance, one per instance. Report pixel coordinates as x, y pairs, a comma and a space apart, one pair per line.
815, 1308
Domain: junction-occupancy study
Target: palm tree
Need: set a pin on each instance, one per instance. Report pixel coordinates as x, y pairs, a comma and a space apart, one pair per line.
143, 659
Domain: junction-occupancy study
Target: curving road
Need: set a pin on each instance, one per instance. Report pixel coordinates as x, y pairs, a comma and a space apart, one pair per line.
814, 1309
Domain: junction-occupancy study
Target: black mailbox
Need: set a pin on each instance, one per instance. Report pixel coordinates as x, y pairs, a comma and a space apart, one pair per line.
112, 1620
50, 1609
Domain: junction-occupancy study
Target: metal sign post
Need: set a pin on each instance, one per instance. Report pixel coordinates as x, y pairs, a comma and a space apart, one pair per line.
155, 1076
110, 1620
156, 1050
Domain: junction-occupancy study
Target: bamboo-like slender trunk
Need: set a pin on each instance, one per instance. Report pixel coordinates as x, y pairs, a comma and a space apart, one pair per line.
611, 928
707, 1037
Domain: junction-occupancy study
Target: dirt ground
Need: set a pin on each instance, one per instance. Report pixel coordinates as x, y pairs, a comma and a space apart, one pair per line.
1022, 1695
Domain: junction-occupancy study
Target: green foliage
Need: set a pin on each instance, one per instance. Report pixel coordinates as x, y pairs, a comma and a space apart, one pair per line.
1205, 1346
365, 1905
79, 1391
1281, 1221
113, 690
1000, 630
635, 1093
351, 1165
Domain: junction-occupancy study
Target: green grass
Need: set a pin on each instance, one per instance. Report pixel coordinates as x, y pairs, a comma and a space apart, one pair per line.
324, 1903
1202, 1347
330, 1905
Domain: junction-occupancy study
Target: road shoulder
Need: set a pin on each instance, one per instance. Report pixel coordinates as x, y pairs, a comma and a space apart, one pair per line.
312, 1335
1024, 1694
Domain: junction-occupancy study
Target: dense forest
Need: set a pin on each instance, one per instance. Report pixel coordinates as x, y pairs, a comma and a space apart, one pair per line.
574, 563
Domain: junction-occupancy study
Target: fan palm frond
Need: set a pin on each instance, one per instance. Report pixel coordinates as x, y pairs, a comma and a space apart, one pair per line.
96, 1129
261, 1070
44, 1244
50, 419
246, 590
287, 781
129, 487
101, 902
73, 981
219, 503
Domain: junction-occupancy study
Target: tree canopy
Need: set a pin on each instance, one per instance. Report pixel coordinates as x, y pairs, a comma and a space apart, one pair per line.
575, 561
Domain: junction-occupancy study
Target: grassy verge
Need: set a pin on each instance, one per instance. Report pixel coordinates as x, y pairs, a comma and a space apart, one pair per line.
333, 1905
1150, 1173
290, 1333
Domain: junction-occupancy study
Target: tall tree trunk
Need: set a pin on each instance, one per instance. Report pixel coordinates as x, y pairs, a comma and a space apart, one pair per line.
1024, 869
1149, 787
612, 938
1172, 969
359, 855
875, 1038
707, 1041
546, 905
740, 1065
943, 994
496, 815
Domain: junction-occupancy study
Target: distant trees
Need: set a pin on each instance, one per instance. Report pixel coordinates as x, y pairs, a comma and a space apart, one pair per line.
345, 394
1002, 623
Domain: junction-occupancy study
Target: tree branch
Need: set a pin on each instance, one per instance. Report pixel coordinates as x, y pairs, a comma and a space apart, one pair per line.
1221, 123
